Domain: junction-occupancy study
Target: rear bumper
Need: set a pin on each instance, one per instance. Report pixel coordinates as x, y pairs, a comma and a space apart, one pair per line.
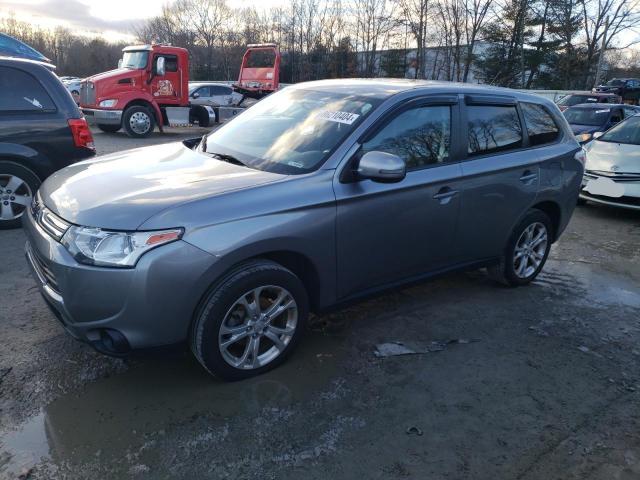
105, 117
148, 306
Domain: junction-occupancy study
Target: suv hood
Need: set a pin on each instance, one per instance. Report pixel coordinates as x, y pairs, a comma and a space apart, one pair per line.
122, 190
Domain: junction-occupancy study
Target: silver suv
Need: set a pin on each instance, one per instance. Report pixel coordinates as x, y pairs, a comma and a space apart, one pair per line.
320, 194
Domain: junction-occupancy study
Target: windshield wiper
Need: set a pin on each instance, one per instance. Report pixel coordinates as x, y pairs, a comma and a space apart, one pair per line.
227, 158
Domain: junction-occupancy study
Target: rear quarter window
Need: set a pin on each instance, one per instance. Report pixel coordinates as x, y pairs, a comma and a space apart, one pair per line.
541, 127
22, 92
493, 129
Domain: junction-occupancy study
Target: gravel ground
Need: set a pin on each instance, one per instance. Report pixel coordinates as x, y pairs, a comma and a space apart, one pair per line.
540, 382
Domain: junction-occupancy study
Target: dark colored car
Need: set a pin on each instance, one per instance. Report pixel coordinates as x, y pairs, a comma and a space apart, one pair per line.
586, 97
625, 87
319, 194
587, 119
41, 131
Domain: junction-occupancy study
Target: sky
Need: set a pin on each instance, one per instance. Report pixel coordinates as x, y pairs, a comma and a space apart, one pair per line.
112, 19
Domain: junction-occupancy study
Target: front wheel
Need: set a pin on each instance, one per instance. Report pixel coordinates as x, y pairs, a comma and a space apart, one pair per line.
251, 321
526, 251
138, 121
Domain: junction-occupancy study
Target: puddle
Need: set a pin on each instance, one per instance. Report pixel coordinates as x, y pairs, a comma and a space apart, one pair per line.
589, 286
115, 416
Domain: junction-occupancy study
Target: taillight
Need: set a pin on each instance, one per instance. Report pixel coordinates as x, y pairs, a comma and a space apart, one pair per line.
82, 137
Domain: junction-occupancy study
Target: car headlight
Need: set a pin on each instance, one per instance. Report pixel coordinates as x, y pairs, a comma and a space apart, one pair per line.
584, 137
108, 103
95, 246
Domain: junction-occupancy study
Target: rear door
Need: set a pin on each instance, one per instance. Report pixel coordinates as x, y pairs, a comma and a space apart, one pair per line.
389, 232
500, 175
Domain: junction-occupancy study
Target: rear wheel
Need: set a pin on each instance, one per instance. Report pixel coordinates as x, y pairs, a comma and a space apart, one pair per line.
18, 184
526, 251
138, 121
251, 321
109, 128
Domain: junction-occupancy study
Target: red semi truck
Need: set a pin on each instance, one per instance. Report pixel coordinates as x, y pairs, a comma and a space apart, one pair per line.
151, 87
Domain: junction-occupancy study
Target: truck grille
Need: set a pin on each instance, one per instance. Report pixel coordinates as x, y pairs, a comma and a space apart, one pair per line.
87, 93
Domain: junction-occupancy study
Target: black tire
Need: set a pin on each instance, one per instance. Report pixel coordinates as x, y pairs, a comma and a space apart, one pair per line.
505, 271
220, 301
109, 128
30, 184
143, 112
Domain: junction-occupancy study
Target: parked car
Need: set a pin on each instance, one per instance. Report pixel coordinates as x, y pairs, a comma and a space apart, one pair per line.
612, 175
41, 131
586, 97
72, 84
588, 118
319, 194
625, 87
213, 94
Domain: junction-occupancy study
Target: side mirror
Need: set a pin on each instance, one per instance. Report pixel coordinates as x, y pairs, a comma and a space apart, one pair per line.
195, 95
120, 63
382, 167
160, 66
597, 135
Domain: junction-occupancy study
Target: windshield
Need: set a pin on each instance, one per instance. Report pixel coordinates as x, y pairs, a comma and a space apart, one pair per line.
292, 131
587, 116
135, 59
626, 132
615, 82
571, 100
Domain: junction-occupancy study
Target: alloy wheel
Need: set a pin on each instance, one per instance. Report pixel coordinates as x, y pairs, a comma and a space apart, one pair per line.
258, 327
530, 250
15, 197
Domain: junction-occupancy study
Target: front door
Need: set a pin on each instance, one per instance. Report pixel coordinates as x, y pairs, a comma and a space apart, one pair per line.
166, 89
388, 232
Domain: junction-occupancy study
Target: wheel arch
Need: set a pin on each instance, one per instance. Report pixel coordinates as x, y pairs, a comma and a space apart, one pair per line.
152, 106
553, 210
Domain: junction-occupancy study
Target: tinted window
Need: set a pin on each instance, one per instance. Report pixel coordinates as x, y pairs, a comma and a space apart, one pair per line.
587, 116
540, 125
219, 90
493, 129
20, 91
421, 136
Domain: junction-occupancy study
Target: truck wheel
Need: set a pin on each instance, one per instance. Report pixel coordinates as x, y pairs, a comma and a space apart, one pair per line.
18, 184
138, 121
109, 128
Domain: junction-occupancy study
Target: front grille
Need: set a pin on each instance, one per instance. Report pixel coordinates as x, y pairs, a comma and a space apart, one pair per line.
615, 176
47, 220
44, 273
87, 93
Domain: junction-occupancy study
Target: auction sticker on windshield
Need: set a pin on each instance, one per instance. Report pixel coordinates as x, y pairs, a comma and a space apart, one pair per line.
340, 117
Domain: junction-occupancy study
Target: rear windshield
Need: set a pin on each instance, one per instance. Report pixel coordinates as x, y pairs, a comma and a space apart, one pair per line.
616, 82
627, 132
587, 116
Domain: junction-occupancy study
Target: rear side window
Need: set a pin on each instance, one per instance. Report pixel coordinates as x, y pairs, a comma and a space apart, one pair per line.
493, 129
421, 136
541, 127
21, 92
220, 90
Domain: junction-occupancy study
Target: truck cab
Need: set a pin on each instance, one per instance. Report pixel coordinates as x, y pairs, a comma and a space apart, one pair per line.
150, 87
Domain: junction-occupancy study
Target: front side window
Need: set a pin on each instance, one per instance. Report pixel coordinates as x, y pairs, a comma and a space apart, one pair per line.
541, 127
135, 60
421, 136
21, 92
493, 129
170, 63
627, 132
292, 131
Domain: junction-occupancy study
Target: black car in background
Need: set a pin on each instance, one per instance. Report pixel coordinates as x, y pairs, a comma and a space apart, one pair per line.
588, 118
625, 87
41, 131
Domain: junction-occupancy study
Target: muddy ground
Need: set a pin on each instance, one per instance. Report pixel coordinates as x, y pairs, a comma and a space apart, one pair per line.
544, 385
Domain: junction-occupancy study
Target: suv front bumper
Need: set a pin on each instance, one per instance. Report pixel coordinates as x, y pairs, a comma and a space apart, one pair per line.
104, 117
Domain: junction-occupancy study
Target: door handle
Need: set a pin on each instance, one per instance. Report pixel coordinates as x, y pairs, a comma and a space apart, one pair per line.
528, 177
444, 195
